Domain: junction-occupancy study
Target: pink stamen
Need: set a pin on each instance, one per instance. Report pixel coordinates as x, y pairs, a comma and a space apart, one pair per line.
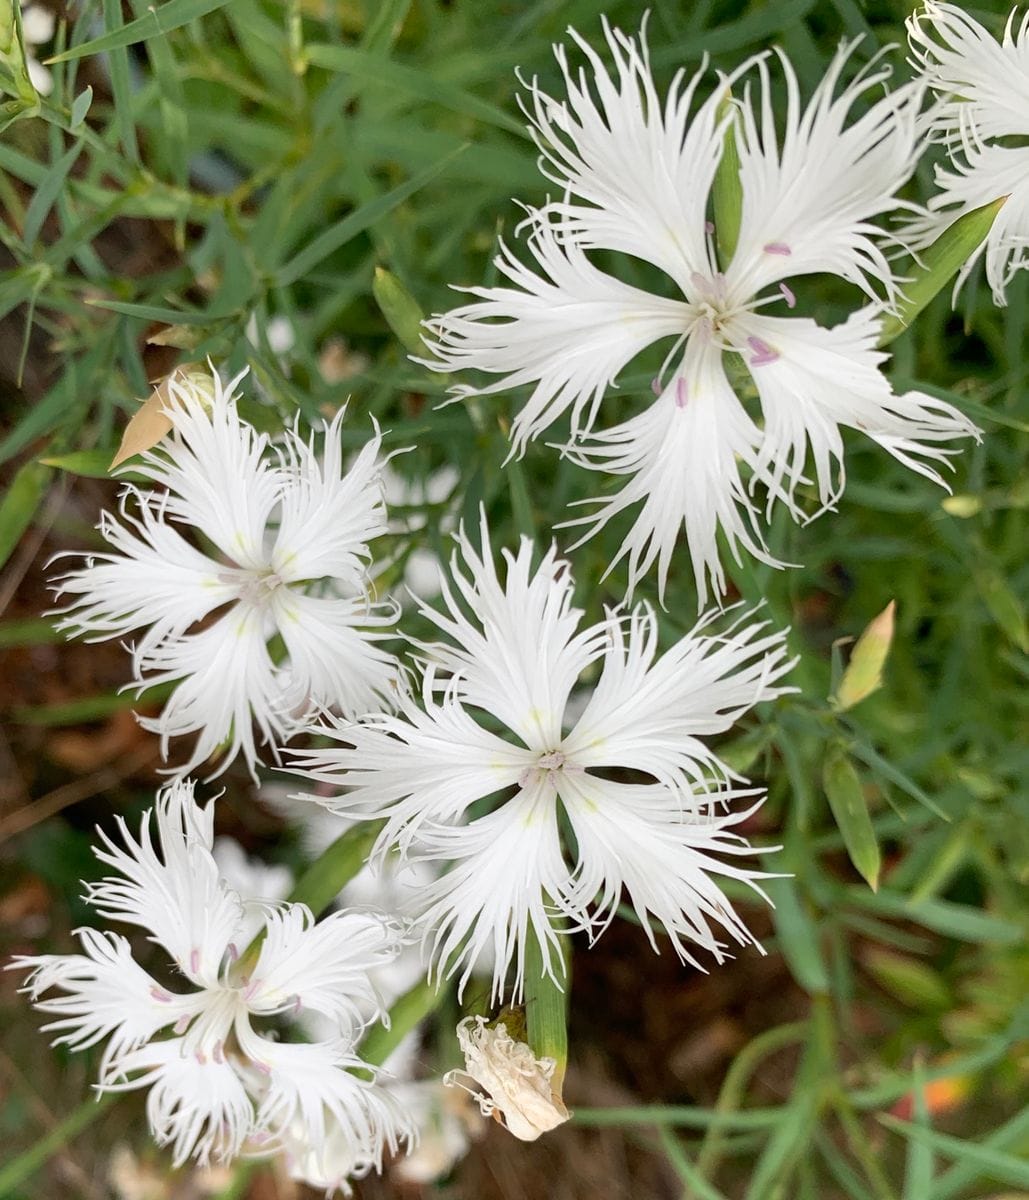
777, 248
297, 1005
160, 995
201, 1058
681, 393
788, 296
232, 952
763, 353
655, 386
218, 1054
709, 226
194, 961
182, 1024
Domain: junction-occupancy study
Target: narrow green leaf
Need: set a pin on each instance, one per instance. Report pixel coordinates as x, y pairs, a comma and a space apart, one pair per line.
888, 771
727, 190
16, 1172
687, 1116
20, 505
912, 982
357, 222
46, 194
91, 464
404, 1015
30, 631
850, 809
1005, 606
122, 117
940, 263
959, 921
415, 82
401, 310
154, 312
696, 1184
334, 868
81, 107
161, 19
89, 708
798, 936
918, 1168
995, 1165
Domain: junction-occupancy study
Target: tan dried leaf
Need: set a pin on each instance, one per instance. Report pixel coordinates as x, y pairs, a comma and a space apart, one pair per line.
151, 422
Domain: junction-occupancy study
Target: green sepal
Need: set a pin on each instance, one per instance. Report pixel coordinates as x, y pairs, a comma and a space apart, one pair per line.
400, 308
939, 264
727, 189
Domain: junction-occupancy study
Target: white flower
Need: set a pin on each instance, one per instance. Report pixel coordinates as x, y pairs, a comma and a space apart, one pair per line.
488, 804
517, 1084
637, 172
289, 533
215, 1080
37, 27
984, 86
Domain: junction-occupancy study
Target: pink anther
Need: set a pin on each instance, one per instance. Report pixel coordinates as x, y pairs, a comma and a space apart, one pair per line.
777, 248
681, 393
763, 353
788, 296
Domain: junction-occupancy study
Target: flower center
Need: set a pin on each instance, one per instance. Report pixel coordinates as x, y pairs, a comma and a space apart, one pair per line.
545, 765
254, 586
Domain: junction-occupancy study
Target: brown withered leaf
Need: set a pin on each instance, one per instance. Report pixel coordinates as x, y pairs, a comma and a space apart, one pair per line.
150, 423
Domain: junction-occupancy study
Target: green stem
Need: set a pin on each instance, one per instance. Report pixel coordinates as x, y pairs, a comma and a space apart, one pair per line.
729, 1098
326, 877
412, 1007
15, 1173
546, 1007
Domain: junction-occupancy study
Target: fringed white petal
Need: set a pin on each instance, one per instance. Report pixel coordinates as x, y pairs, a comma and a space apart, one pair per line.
197, 1106
983, 80
520, 654
328, 515
218, 476
323, 965
814, 382
226, 681
666, 859
502, 868
649, 711
644, 167
682, 455
176, 893
151, 577
810, 198
311, 1087
568, 331
424, 767
107, 995
335, 661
